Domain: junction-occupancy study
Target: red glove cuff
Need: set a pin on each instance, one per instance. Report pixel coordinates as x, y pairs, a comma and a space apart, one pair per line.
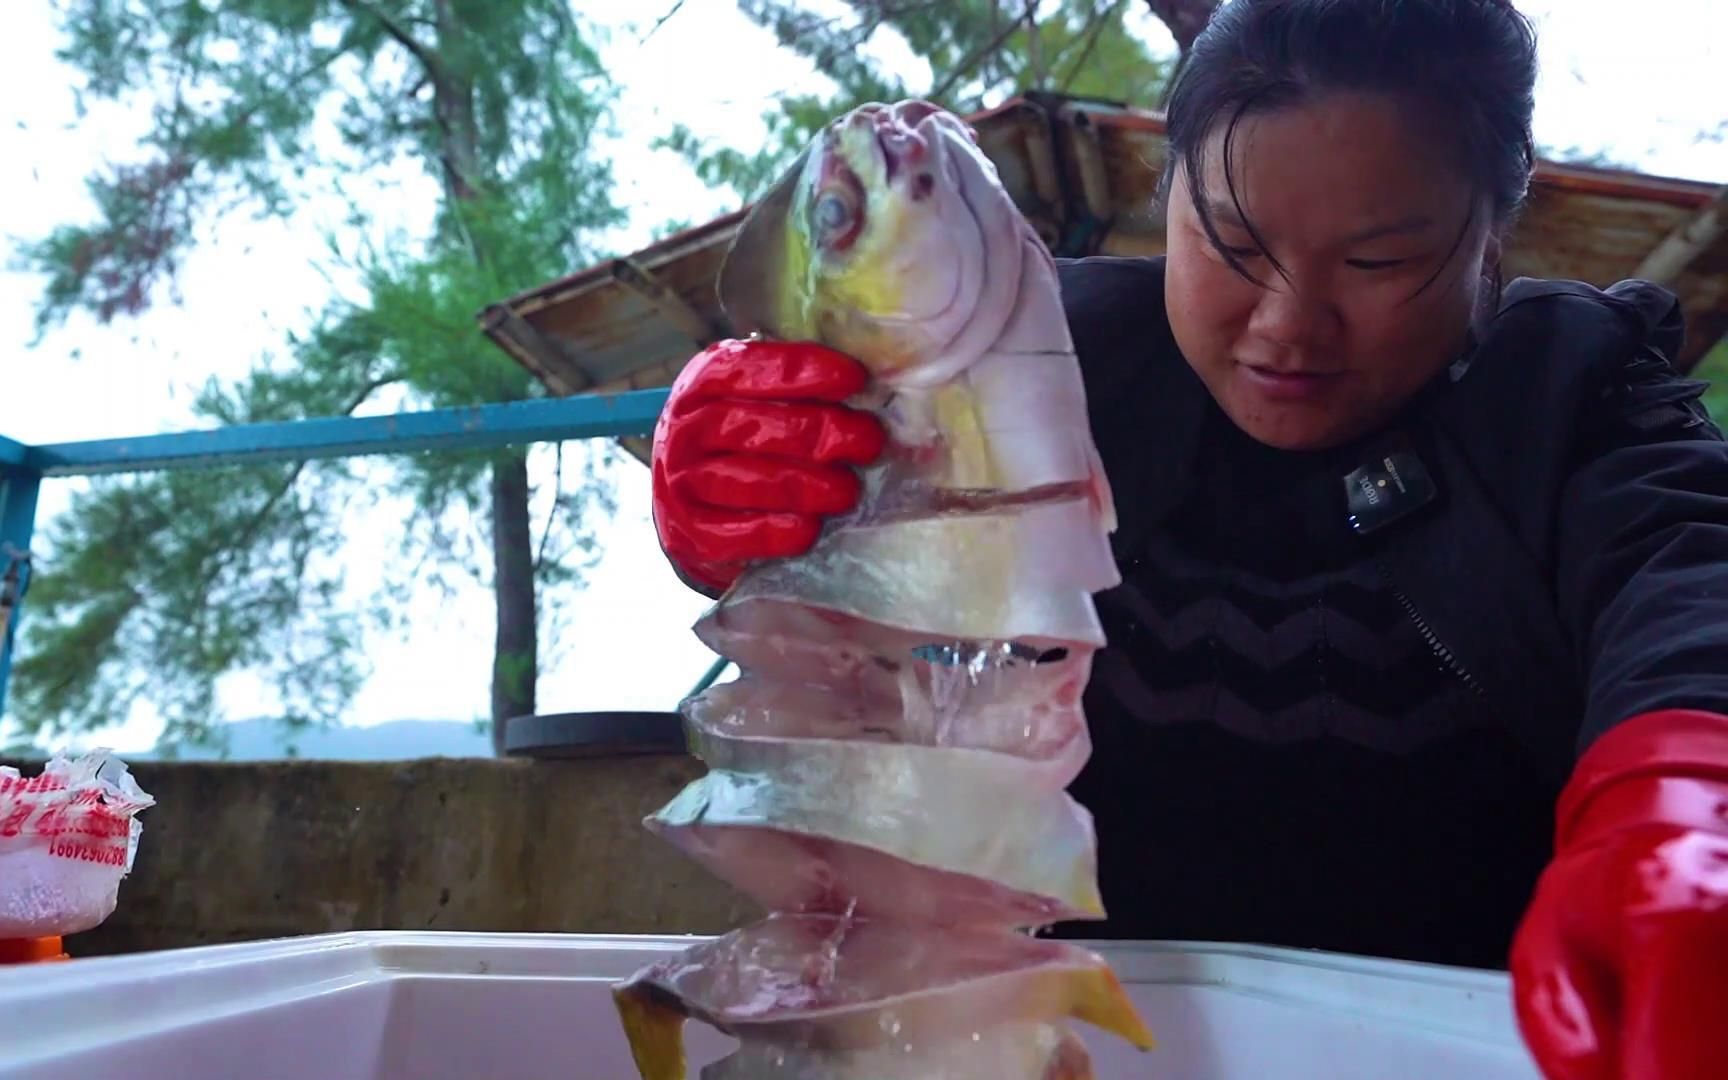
1661, 768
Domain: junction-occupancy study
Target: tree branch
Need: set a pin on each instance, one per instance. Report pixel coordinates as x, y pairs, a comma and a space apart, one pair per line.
1034, 51
1185, 18
249, 531
1094, 30
401, 35
552, 515
661, 21
972, 60
453, 109
861, 33
250, 113
810, 35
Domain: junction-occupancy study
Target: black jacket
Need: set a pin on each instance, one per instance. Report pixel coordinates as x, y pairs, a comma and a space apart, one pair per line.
1318, 734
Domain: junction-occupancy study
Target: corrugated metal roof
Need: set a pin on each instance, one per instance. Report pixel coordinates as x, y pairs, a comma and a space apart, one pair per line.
1085, 173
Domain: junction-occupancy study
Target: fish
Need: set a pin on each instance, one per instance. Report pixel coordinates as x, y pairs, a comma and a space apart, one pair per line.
1044, 1051
918, 833
887, 775
893, 240
836, 996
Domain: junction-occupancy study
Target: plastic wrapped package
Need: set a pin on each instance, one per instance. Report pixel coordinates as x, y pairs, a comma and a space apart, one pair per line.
67, 838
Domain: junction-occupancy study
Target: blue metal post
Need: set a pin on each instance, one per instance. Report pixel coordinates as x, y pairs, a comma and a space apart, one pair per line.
18, 489
708, 679
584, 416
13, 454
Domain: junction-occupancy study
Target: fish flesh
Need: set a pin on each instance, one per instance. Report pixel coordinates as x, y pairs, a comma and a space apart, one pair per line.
1036, 1050
843, 994
887, 776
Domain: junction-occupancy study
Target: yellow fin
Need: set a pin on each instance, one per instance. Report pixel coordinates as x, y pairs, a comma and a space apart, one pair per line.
763, 281
1085, 896
656, 1033
1098, 999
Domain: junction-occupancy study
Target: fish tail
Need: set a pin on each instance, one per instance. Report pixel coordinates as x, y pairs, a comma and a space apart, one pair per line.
656, 1033
1099, 1000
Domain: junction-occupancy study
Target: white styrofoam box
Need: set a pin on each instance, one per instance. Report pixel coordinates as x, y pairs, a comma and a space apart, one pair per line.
455, 1006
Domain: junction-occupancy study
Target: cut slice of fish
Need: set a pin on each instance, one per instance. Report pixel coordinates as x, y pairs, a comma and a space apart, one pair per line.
892, 830
1045, 741
835, 984
1026, 573
1015, 1051
1021, 697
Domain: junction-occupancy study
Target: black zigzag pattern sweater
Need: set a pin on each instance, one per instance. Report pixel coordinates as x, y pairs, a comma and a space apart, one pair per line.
1253, 609
1269, 723
1279, 756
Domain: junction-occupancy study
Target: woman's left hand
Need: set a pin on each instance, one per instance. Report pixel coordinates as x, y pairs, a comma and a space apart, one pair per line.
1620, 968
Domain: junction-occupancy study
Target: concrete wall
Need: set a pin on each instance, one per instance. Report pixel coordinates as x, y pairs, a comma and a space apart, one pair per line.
244, 851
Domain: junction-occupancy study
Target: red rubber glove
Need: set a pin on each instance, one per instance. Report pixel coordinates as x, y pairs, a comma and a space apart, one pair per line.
752, 450
1620, 968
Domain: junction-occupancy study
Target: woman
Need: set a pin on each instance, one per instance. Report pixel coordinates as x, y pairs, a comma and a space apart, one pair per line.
1422, 645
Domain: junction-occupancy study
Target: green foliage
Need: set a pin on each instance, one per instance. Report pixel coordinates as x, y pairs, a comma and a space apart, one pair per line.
159, 586
1714, 367
490, 95
978, 53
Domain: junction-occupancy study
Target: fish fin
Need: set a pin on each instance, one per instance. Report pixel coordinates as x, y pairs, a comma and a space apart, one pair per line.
655, 1031
754, 286
1103, 497
1088, 898
1099, 1000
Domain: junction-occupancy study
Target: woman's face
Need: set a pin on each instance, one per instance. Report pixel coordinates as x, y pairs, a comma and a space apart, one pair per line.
1361, 210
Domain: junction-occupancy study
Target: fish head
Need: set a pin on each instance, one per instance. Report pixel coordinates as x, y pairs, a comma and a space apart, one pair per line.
877, 242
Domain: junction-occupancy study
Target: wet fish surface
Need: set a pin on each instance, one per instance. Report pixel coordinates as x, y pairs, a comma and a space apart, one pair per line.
887, 775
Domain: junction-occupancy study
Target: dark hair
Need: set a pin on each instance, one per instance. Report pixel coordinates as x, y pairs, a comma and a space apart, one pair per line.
1470, 65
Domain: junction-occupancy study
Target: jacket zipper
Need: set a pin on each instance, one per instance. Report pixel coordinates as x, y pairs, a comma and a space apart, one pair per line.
1435, 645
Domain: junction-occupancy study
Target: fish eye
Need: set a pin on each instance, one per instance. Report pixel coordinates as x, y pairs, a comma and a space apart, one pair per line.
832, 212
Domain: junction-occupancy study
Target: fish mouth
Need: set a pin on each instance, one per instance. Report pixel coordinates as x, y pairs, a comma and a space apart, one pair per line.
903, 138
890, 159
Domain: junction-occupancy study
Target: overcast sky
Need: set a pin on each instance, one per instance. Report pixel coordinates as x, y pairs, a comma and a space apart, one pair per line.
1641, 90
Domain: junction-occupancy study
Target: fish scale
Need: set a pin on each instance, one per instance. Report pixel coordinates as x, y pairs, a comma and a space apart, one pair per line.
887, 774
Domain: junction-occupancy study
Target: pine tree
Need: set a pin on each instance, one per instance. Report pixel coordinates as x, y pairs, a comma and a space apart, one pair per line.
159, 585
978, 53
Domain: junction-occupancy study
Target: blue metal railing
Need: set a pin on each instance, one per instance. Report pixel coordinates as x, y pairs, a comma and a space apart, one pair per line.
23, 467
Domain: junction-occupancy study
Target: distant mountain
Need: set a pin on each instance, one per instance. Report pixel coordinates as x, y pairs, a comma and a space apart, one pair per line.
266, 740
